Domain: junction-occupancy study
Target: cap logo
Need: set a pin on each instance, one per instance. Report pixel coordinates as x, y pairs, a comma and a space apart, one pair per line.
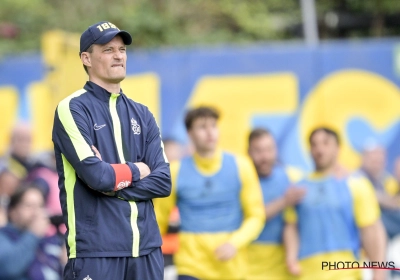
106, 25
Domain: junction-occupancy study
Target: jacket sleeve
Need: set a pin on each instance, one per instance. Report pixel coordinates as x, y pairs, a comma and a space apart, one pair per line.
15, 257
164, 206
252, 205
158, 183
71, 136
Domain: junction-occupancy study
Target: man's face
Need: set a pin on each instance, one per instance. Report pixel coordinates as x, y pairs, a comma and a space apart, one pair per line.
374, 161
107, 63
263, 152
324, 150
204, 134
31, 205
21, 141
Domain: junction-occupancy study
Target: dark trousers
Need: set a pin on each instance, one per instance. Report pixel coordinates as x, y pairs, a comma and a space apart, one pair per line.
146, 267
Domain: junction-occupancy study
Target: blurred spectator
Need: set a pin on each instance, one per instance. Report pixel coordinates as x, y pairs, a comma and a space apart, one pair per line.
9, 182
15, 166
26, 252
266, 254
386, 186
8, 185
220, 205
335, 218
22, 166
44, 176
18, 160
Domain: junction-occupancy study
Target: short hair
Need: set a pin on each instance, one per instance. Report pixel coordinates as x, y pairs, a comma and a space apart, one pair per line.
89, 50
200, 112
327, 131
257, 133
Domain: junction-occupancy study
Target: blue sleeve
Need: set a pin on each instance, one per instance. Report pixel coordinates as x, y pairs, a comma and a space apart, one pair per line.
15, 257
71, 136
158, 183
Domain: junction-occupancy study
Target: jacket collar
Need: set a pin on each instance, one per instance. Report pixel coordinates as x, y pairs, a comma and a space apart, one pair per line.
98, 91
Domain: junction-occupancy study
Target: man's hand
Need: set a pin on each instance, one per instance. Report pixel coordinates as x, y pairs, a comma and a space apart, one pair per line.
143, 169
293, 195
225, 252
293, 267
96, 152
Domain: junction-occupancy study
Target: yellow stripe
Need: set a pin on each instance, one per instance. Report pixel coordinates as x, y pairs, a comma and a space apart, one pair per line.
82, 149
135, 229
69, 183
117, 126
118, 141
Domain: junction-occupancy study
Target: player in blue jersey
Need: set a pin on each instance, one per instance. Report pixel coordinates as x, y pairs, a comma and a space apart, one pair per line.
336, 218
266, 254
111, 165
220, 205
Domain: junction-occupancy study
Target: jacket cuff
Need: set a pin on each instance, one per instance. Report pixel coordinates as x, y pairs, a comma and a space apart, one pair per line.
123, 176
135, 171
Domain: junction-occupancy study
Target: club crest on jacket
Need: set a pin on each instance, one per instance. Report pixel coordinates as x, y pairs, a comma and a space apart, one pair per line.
135, 126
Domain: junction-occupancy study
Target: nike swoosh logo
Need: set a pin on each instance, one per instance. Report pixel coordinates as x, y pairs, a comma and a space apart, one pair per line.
98, 127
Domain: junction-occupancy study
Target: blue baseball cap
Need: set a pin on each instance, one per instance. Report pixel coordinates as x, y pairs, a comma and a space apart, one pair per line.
102, 33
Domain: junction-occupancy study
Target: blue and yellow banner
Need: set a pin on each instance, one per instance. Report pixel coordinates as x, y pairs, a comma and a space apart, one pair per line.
352, 87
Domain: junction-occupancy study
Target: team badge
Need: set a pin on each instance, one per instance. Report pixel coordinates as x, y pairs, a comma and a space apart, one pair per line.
135, 126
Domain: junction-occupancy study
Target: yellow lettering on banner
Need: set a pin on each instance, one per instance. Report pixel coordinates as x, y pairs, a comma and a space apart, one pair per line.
239, 98
343, 96
145, 89
60, 53
8, 108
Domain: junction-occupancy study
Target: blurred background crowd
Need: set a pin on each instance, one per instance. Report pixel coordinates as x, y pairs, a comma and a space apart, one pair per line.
287, 66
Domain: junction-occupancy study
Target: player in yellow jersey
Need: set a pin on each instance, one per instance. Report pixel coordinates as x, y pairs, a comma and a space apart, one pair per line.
220, 205
266, 254
336, 217
385, 185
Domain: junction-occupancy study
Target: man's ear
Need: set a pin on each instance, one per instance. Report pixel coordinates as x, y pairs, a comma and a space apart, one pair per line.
85, 57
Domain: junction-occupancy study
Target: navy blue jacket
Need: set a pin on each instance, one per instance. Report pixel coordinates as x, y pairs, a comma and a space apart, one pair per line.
103, 221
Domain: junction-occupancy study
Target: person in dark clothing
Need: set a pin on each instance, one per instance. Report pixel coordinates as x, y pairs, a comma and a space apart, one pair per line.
26, 251
111, 164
